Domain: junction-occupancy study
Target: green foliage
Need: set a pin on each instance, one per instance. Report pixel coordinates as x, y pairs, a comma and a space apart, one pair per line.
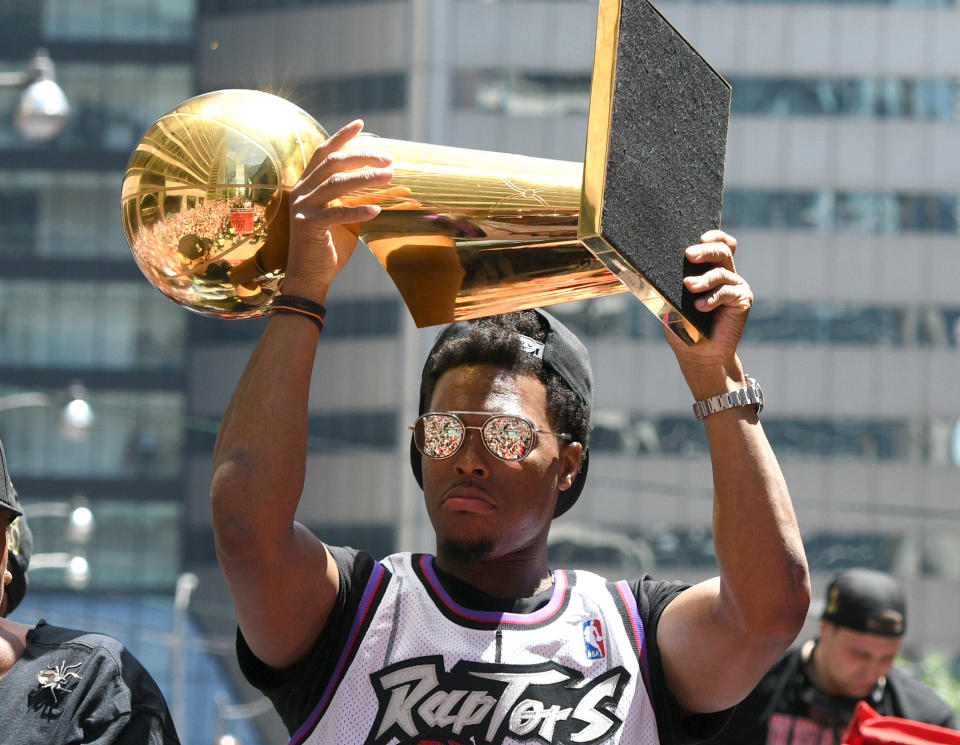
934, 670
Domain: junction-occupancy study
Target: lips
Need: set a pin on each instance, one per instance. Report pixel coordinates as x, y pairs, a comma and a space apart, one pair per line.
467, 499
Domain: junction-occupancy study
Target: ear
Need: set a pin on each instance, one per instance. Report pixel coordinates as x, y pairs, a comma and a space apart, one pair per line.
570, 456
7, 577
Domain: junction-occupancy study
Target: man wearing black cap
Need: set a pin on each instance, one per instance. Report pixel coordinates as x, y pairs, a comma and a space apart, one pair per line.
810, 695
60, 686
485, 643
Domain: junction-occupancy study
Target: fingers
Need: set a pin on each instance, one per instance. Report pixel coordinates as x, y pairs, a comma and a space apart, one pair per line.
339, 163
332, 174
715, 247
339, 185
720, 287
334, 143
323, 217
718, 236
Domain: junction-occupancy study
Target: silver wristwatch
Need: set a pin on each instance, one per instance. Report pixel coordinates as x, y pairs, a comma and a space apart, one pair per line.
751, 395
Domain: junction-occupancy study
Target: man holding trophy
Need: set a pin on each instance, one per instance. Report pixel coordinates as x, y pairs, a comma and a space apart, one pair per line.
483, 642
237, 204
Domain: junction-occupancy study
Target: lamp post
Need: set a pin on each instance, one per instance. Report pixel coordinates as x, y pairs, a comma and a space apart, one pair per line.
80, 525
43, 107
76, 415
186, 584
76, 419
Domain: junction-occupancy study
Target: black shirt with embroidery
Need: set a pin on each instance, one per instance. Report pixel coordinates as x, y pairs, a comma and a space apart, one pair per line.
787, 709
296, 690
93, 691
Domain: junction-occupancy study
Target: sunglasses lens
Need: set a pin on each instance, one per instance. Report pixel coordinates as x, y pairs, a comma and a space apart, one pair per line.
508, 437
438, 435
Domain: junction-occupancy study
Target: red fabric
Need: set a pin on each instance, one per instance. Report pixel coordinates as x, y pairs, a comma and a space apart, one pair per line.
869, 728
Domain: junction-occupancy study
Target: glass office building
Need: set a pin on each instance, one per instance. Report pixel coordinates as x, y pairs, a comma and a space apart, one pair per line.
841, 186
74, 308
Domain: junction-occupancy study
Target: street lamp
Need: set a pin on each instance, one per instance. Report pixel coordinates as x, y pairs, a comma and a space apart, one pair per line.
80, 525
43, 107
76, 416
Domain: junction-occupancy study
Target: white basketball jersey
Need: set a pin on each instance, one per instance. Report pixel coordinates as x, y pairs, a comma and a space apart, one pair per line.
420, 669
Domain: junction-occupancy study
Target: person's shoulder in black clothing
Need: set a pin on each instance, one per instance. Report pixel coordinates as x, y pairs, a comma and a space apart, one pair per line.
914, 700
95, 691
748, 725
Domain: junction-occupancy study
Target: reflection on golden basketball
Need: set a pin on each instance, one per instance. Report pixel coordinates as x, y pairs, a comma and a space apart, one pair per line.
202, 190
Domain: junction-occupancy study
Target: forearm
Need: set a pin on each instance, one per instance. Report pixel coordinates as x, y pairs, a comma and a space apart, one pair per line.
764, 583
260, 454
763, 569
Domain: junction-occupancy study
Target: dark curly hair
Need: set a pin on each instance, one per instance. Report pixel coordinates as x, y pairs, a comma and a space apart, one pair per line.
496, 341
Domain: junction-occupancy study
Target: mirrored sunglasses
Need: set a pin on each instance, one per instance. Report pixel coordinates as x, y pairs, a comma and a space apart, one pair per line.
509, 437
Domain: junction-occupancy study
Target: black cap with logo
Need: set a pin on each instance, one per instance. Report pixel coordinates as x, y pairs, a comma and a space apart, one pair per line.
866, 600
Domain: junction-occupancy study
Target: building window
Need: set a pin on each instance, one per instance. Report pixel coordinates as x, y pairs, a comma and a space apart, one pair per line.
111, 104
89, 325
135, 545
841, 211
621, 316
119, 20
135, 434
218, 7
354, 94
348, 429
76, 215
521, 93
913, 441
879, 98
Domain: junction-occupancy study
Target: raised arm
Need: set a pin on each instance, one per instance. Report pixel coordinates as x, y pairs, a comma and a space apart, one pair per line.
719, 637
281, 576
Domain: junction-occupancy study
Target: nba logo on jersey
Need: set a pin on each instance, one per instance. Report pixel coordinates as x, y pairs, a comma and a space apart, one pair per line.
593, 639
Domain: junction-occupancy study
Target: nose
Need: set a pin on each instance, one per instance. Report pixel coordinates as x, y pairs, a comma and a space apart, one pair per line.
472, 459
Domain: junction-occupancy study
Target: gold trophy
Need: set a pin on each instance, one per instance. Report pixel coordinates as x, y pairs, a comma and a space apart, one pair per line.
462, 233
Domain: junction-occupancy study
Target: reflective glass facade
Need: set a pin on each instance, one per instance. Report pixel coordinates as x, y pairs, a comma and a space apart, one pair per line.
771, 321
827, 210
119, 325
134, 21
73, 305
877, 98
546, 93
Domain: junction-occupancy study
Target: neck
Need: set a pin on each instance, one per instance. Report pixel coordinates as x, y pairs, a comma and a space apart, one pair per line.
814, 672
13, 643
504, 577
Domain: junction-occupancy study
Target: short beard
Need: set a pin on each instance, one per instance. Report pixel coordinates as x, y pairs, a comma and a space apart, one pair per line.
463, 552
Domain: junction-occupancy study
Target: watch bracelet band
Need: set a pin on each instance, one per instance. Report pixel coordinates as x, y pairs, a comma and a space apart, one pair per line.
749, 395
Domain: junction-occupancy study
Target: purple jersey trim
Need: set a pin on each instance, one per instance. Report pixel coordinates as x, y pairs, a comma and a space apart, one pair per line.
376, 577
560, 585
636, 626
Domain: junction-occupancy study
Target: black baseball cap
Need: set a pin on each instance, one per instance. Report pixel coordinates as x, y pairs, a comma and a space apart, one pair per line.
866, 600
562, 352
18, 560
8, 495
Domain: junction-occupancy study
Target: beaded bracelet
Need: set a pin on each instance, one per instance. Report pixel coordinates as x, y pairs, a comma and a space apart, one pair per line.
300, 306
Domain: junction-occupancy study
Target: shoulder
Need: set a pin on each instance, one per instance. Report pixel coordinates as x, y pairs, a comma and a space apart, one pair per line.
653, 595
46, 639
97, 681
107, 655
914, 700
